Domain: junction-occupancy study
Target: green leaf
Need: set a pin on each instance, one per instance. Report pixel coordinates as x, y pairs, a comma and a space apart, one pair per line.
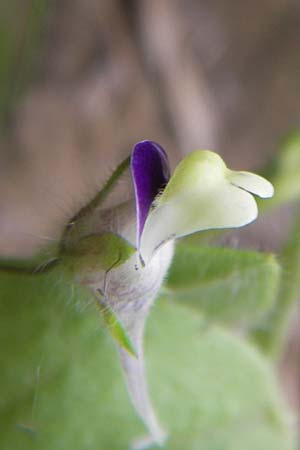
284, 173
225, 284
62, 386
220, 394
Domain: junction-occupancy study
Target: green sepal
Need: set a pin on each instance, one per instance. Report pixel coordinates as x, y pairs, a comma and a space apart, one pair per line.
100, 252
115, 327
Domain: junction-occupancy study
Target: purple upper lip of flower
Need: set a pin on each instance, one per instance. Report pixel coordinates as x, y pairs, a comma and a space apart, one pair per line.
150, 173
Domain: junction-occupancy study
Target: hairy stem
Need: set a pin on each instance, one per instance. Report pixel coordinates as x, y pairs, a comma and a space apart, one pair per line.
135, 376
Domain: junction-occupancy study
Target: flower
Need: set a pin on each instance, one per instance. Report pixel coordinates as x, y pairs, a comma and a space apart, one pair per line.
202, 194
101, 244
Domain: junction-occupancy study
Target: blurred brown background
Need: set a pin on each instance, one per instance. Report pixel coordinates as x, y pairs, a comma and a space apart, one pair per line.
83, 80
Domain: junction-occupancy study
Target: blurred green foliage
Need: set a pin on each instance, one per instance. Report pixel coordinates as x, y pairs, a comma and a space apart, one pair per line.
270, 333
22, 27
63, 388
284, 172
231, 286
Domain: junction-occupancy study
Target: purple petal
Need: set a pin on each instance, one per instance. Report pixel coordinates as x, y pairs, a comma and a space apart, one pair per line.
150, 172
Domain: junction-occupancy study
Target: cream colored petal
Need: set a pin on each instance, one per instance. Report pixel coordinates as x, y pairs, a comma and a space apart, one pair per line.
251, 183
223, 206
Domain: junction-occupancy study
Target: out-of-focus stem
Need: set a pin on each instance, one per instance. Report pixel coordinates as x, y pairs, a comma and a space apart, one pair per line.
270, 335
